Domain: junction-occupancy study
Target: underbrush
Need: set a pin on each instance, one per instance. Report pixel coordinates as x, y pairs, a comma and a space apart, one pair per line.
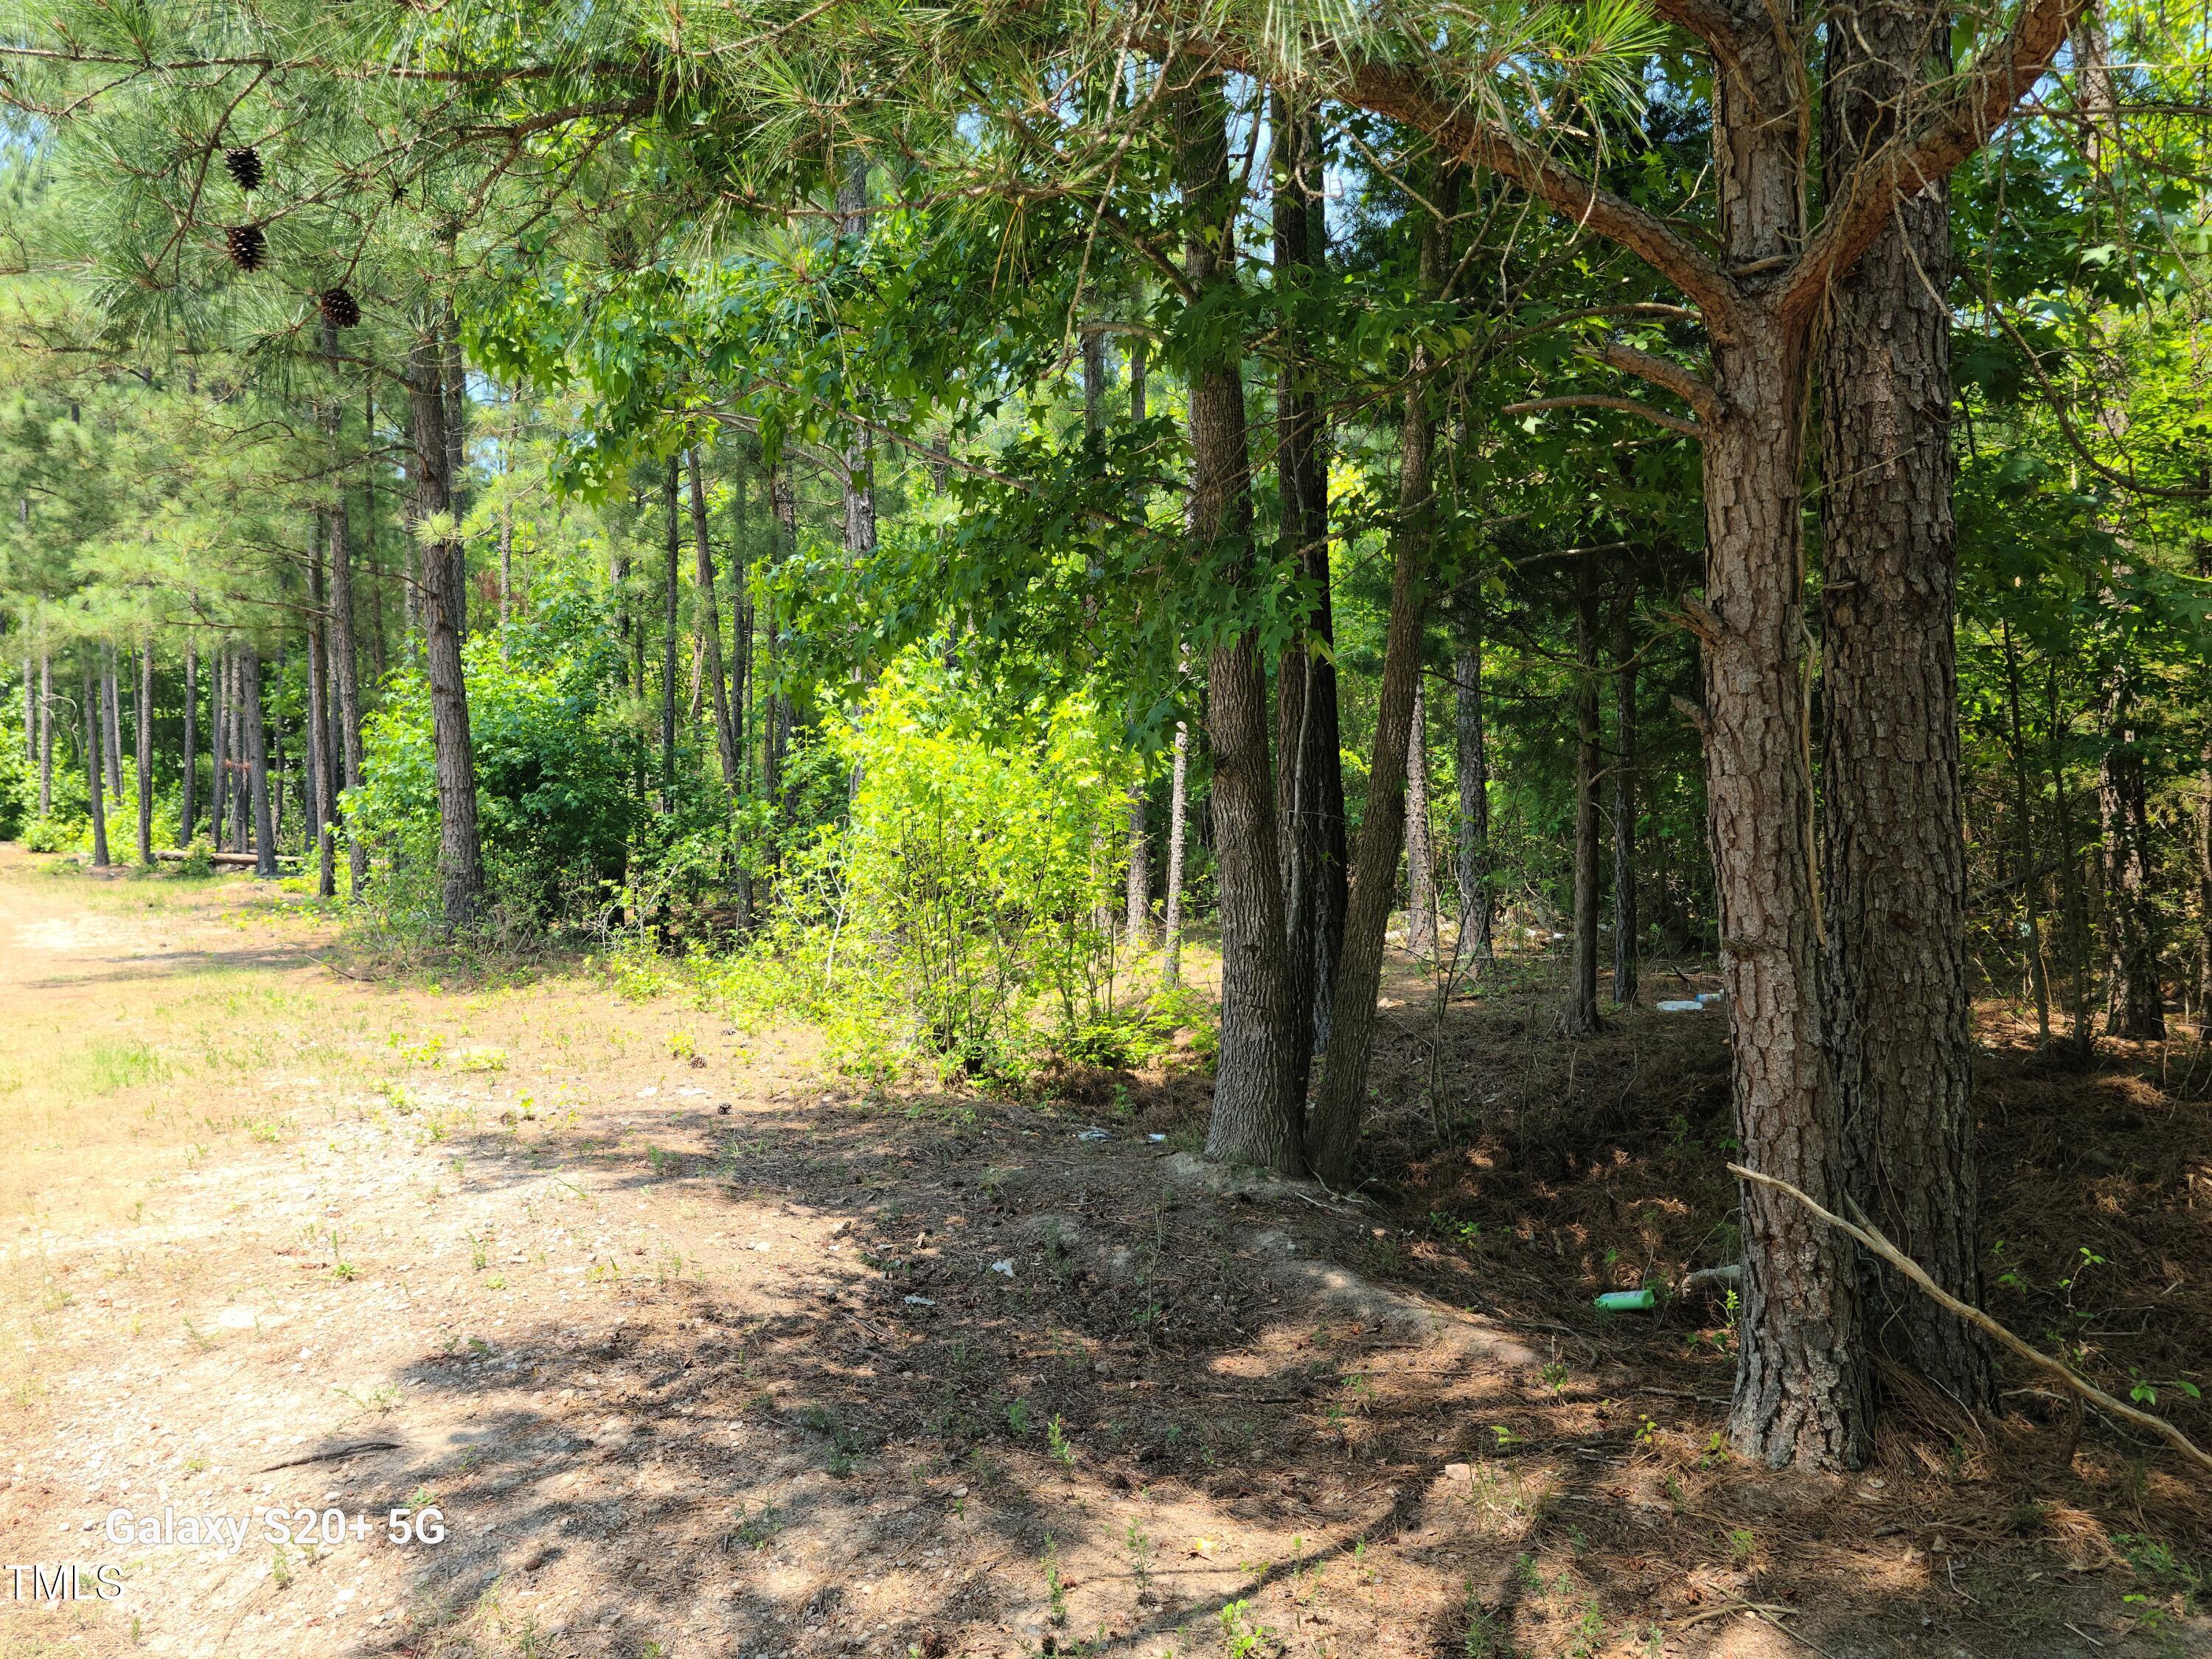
1546, 1171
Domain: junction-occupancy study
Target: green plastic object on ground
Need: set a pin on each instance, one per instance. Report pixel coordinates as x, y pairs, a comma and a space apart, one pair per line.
1628, 1301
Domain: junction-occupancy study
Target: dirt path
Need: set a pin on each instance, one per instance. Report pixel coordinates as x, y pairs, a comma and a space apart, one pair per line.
695, 1353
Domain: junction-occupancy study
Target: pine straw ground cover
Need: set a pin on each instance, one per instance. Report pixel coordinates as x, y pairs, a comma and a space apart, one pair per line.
844, 1370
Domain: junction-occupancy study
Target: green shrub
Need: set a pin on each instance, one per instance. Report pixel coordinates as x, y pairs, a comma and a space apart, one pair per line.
975, 878
554, 810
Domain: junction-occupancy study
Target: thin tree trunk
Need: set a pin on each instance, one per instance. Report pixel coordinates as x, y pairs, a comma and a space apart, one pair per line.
1333, 1129
707, 610
1580, 1017
345, 678
322, 791
859, 483
783, 508
1309, 785
112, 717
257, 763
143, 731
93, 791
1178, 818
1473, 874
460, 862
674, 540
45, 735
2023, 810
1137, 921
30, 713
2073, 895
1627, 923
1257, 1109
454, 376
1332, 1133
186, 790
1421, 907
219, 745
1898, 1039
2135, 1000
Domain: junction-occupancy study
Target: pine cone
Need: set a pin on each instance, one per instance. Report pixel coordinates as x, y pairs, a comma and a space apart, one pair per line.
245, 166
246, 244
340, 308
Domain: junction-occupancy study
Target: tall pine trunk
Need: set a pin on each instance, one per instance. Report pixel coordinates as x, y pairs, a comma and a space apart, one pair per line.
256, 763
1332, 1133
142, 730
460, 859
1580, 1017
219, 745
672, 549
2135, 999
1801, 1394
1900, 1037
1178, 818
190, 772
321, 792
1333, 1130
1257, 1108
95, 793
1471, 872
707, 614
1309, 776
111, 722
2023, 810
45, 735
1421, 930
1627, 923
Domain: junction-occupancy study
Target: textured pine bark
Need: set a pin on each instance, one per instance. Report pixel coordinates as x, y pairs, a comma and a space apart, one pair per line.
1256, 1104
460, 862
1579, 1018
1802, 1386
1898, 1038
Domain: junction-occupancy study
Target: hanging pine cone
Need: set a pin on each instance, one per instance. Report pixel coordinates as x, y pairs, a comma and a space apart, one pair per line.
245, 166
340, 308
246, 244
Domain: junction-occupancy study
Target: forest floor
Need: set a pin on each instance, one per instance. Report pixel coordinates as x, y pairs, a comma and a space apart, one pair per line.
700, 1350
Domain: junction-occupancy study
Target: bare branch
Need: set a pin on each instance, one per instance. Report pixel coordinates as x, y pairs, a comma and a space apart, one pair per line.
1954, 126
1600, 400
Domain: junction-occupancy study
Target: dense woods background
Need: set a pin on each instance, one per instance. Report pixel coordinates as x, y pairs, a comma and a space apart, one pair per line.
949, 520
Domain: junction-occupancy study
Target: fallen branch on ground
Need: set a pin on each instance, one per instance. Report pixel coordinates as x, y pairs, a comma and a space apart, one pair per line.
1870, 1235
352, 1448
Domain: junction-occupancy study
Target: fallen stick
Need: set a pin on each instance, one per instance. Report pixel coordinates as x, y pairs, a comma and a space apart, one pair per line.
352, 1448
1870, 1235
